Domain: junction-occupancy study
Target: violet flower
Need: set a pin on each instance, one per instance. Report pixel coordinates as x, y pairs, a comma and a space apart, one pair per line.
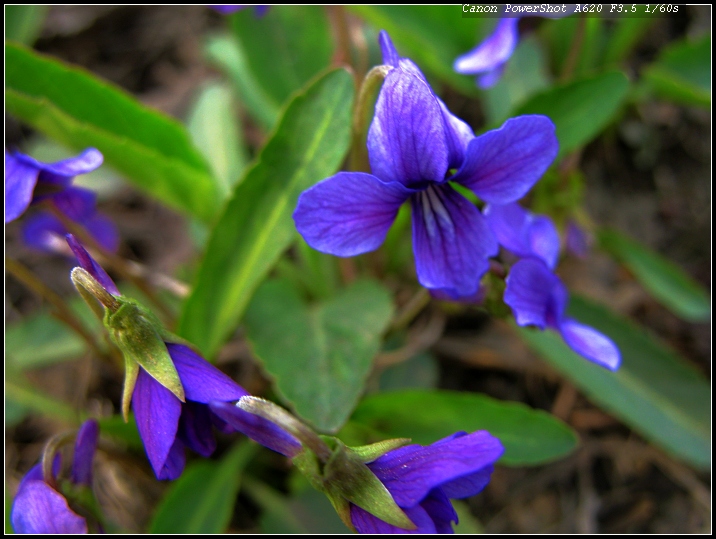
39, 507
538, 297
28, 181
490, 57
416, 148
577, 240
523, 233
165, 423
423, 479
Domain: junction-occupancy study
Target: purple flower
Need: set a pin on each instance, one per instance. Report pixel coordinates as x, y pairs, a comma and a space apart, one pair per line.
490, 57
538, 297
416, 149
422, 479
523, 233
166, 424
28, 181
39, 507
577, 240
224, 9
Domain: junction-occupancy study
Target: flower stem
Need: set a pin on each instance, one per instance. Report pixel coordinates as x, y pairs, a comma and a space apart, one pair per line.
279, 416
52, 446
59, 309
362, 114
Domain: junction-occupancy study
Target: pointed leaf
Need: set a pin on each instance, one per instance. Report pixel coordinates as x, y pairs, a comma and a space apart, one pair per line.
202, 499
654, 391
666, 281
78, 110
320, 356
256, 226
530, 437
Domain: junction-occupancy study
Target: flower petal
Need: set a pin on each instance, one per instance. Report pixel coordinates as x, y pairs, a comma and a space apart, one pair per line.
495, 50
202, 381
103, 231
468, 485
503, 164
407, 140
523, 233
459, 135
492, 77
591, 344
195, 428
20, 181
63, 171
91, 266
577, 240
38, 508
442, 513
76, 203
348, 214
410, 472
174, 463
157, 412
364, 522
390, 54
535, 294
257, 428
85, 447
43, 231
451, 240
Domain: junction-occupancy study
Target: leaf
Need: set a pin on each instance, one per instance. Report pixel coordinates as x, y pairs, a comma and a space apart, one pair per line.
256, 227
115, 427
683, 72
432, 36
228, 55
216, 130
654, 391
576, 111
23, 395
24, 23
319, 355
662, 278
530, 437
73, 107
285, 48
202, 499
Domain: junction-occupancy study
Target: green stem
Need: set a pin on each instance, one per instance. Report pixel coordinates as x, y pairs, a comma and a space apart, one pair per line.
59, 309
570, 63
362, 114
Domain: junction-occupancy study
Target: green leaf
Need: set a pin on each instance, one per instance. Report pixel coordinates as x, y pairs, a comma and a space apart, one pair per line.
432, 36
285, 48
125, 432
683, 72
663, 279
626, 33
319, 355
24, 23
215, 128
202, 499
654, 391
577, 113
530, 437
229, 56
20, 392
78, 110
256, 226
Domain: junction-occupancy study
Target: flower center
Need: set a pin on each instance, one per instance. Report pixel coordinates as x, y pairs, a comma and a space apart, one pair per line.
435, 214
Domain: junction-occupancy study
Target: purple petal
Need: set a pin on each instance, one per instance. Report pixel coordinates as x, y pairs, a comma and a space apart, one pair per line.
201, 380
446, 294
228, 9
503, 164
590, 343
38, 508
257, 428
390, 54
523, 233
459, 135
536, 295
76, 203
438, 506
492, 77
491, 53
157, 412
407, 140
195, 428
20, 181
410, 472
348, 214
364, 522
85, 447
91, 266
103, 231
468, 485
62, 172
174, 463
451, 240
43, 231
577, 240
